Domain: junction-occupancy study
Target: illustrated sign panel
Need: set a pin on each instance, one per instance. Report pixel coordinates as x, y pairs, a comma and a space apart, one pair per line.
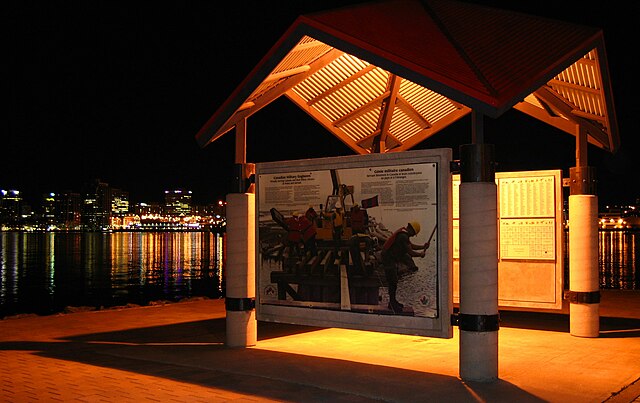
358, 242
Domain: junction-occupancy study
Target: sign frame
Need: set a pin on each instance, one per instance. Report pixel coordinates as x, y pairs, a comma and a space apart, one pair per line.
528, 278
437, 162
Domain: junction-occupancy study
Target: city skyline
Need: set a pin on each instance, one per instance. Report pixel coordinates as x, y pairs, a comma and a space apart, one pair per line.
118, 92
99, 207
33, 197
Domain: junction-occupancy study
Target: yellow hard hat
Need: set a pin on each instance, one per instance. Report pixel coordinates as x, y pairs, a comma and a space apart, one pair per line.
416, 226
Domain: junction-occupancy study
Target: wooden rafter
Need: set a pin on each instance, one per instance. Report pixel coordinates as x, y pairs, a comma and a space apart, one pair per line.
588, 115
280, 89
547, 115
413, 114
374, 103
367, 141
326, 123
287, 73
341, 84
566, 109
389, 105
435, 128
572, 86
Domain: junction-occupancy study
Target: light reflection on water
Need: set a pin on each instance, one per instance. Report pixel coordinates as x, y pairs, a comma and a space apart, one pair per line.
618, 259
45, 272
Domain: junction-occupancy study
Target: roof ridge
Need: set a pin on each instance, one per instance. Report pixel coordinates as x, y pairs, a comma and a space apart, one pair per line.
461, 51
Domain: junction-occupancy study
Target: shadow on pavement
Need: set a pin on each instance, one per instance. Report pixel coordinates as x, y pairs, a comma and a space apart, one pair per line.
194, 352
610, 327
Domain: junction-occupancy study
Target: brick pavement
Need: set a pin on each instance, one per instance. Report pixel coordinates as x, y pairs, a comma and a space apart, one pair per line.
176, 353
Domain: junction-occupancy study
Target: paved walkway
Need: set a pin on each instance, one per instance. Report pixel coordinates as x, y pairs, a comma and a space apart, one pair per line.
176, 353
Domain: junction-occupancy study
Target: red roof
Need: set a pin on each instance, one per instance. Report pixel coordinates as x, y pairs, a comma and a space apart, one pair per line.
484, 58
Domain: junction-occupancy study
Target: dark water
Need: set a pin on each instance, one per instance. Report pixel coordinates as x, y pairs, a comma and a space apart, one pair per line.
618, 259
43, 273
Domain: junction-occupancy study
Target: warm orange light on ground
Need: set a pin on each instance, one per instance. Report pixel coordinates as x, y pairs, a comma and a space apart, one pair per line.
400, 351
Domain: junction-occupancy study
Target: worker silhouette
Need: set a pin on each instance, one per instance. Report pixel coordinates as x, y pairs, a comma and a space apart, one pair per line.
399, 250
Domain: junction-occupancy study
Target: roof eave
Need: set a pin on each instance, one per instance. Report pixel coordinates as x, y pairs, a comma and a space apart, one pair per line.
210, 130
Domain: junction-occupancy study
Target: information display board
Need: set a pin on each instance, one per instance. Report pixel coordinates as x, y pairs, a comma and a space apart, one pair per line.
530, 258
530, 238
329, 234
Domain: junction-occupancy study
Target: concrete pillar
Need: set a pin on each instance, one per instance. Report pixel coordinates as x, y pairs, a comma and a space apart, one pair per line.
478, 318
241, 325
584, 278
584, 283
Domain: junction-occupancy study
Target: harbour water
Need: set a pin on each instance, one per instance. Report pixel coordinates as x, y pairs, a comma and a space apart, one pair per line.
618, 259
45, 273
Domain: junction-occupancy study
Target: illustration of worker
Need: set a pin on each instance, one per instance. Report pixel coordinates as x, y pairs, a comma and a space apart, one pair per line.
399, 250
312, 215
301, 232
359, 220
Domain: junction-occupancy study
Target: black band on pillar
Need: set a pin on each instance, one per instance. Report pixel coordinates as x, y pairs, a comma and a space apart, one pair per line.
478, 323
240, 304
582, 181
477, 163
582, 297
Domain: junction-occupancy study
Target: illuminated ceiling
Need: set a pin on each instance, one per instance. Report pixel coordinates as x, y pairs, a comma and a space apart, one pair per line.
407, 69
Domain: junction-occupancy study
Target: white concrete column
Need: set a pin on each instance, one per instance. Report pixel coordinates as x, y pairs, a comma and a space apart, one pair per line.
584, 315
241, 325
478, 281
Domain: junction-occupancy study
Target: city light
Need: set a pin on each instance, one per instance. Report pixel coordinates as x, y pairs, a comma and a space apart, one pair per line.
106, 208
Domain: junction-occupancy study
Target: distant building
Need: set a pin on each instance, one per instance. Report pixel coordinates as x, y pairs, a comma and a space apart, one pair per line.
96, 212
48, 215
147, 209
177, 202
119, 202
68, 209
10, 208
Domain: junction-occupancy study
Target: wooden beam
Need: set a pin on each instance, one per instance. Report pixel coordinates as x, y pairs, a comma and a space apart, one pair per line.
326, 123
309, 45
591, 116
280, 89
287, 73
241, 142
374, 103
387, 113
413, 114
368, 138
341, 84
437, 126
549, 116
546, 115
566, 109
572, 86
367, 141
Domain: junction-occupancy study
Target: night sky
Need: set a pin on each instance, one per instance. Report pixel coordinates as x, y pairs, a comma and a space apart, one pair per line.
117, 90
